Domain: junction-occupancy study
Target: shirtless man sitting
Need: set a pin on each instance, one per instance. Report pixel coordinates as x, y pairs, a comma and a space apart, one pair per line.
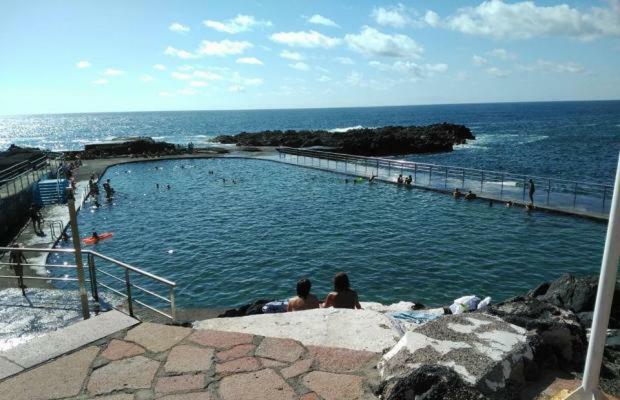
342, 296
304, 299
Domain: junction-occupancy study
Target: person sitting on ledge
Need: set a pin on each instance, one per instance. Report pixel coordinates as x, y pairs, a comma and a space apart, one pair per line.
342, 296
408, 180
470, 196
304, 299
400, 179
456, 193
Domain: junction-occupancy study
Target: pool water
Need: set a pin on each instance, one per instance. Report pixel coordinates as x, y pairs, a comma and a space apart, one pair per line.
228, 243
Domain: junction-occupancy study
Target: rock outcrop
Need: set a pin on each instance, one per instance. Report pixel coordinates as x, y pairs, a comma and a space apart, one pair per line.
561, 340
388, 140
488, 354
577, 294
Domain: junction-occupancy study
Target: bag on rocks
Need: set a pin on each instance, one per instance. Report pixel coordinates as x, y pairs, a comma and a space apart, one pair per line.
464, 304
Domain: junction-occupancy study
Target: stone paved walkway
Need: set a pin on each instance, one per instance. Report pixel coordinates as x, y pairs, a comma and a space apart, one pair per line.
152, 361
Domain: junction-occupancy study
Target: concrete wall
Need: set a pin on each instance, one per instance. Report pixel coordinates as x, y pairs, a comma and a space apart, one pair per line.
14, 213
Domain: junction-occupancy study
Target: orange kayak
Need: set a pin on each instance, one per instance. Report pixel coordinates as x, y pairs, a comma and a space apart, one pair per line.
92, 240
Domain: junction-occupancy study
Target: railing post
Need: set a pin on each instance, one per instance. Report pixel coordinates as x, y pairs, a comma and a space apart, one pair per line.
129, 300
173, 307
78, 252
575, 196
430, 175
377, 168
415, 172
93, 276
501, 188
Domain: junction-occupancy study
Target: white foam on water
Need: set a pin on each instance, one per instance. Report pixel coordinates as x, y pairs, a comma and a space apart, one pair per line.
158, 137
348, 128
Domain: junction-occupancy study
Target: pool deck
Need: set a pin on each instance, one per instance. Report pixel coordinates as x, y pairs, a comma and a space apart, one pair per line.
152, 361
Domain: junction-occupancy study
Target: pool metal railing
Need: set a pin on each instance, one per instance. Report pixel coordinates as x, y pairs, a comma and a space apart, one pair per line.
21, 175
560, 194
93, 271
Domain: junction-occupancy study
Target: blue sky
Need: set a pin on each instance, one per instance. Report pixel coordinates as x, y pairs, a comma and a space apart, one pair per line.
97, 56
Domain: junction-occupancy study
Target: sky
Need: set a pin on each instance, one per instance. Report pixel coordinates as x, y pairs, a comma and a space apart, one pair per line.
101, 56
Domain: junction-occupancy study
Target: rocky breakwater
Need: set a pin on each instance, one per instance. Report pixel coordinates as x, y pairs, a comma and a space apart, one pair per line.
385, 141
132, 147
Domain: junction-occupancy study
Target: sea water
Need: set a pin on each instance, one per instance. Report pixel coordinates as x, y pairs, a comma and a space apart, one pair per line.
251, 228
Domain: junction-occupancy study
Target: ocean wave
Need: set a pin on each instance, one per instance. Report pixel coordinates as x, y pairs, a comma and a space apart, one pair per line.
533, 138
348, 128
158, 137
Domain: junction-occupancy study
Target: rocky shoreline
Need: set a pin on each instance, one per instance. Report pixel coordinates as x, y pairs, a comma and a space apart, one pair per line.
553, 318
384, 141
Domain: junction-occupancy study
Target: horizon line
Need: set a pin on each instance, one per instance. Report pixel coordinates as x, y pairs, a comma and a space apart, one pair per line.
313, 108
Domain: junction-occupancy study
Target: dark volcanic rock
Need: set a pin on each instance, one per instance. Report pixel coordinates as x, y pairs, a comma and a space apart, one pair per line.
248, 309
141, 146
428, 382
388, 140
577, 294
562, 340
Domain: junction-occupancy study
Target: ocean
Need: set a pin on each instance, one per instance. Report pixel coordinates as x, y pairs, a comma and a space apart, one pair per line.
570, 140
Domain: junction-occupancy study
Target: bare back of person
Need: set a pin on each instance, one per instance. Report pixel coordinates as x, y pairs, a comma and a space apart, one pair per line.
343, 299
299, 304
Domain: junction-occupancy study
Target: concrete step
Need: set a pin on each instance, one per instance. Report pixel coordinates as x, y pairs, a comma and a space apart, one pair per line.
61, 341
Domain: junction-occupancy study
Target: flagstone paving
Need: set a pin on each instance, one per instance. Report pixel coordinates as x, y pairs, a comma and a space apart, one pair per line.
152, 361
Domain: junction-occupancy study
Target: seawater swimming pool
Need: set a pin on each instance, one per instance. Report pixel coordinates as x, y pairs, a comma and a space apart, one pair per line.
228, 243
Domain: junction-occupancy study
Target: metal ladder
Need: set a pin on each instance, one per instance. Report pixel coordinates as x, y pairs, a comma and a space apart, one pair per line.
55, 226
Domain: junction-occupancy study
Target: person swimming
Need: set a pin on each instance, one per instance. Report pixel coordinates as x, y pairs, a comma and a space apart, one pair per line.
470, 195
109, 191
342, 296
304, 299
456, 193
400, 179
408, 180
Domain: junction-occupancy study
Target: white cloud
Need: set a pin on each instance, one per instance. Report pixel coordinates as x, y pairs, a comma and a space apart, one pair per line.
236, 88
165, 94
252, 81
208, 75
550, 66
185, 68
174, 52
187, 91
411, 70
249, 60
371, 42
525, 20
345, 60
321, 20
198, 84
300, 66
308, 39
479, 60
178, 27
223, 48
113, 72
146, 78
432, 18
323, 78
83, 64
502, 54
498, 73
181, 76
241, 23
395, 17
159, 67
291, 55
321, 69
101, 82
354, 78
